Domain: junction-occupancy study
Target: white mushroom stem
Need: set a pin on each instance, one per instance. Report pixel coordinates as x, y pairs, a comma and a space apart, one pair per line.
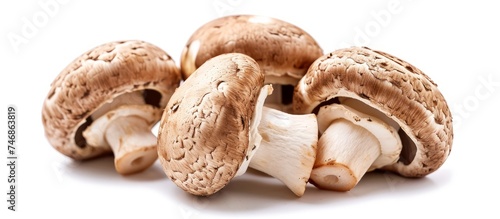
346, 151
133, 144
288, 148
127, 131
282, 145
351, 144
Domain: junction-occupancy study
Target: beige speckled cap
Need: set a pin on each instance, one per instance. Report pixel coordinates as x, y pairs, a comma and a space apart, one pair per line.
204, 134
97, 77
282, 50
392, 86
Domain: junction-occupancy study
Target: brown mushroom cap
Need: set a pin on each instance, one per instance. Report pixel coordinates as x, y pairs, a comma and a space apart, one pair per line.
203, 136
94, 79
282, 50
392, 86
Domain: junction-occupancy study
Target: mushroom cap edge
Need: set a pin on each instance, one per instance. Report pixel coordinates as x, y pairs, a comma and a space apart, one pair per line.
392, 86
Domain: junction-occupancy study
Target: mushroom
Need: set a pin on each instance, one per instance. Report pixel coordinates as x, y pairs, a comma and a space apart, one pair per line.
374, 111
282, 50
215, 126
107, 100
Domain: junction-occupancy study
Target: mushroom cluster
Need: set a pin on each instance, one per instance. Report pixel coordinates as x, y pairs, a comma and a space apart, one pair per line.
256, 92
215, 126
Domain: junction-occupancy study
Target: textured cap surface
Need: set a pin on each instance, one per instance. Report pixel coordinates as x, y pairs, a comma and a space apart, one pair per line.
94, 79
281, 49
396, 88
204, 133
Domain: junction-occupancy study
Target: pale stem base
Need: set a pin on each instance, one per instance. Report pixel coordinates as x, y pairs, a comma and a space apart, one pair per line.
345, 153
133, 144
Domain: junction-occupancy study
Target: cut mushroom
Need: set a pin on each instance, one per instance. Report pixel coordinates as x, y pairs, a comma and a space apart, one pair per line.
107, 100
215, 126
283, 51
375, 111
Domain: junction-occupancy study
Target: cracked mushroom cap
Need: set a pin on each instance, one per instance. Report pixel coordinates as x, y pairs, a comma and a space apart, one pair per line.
392, 86
95, 79
204, 134
282, 50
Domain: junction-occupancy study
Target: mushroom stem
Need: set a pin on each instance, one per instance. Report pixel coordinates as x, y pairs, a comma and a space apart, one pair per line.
345, 153
288, 147
133, 144
351, 144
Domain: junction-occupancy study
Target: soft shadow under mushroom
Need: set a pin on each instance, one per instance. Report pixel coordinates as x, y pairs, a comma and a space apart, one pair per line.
249, 192
102, 169
375, 184
257, 191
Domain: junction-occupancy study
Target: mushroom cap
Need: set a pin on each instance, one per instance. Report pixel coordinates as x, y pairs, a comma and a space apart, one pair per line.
94, 79
392, 86
203, 136
282, 50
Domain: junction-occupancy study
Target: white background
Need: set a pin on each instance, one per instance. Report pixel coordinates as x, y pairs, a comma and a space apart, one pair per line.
455, 43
